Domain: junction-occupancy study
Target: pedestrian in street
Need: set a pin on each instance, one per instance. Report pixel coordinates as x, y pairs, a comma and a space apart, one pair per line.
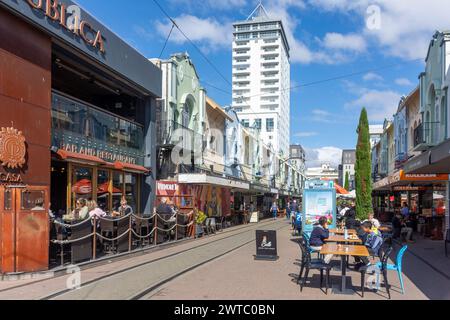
288, 210
274, 210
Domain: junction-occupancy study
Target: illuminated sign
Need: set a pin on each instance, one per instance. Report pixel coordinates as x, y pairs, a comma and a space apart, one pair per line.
70, 19
102, 154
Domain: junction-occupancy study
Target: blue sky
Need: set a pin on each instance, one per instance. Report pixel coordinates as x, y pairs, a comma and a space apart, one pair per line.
328, 38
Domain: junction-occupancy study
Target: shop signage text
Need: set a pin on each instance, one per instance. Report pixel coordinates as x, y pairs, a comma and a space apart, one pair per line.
10, 178
70, 20
104, 155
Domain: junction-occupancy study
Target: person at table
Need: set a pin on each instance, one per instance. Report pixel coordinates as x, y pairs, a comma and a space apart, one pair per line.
406, 229
81, 211
94, 210
124, 209
372, 241
318, 236
350, 221
375, 223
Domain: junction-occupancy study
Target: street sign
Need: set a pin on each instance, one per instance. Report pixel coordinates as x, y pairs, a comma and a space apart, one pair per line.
266, 245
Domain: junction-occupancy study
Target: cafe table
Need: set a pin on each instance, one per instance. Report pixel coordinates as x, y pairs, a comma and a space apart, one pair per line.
341, 239
344, 251
342, 231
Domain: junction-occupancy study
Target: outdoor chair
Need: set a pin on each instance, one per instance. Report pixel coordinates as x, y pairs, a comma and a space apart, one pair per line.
309, 264
206, 226
447, 241
212, 225
384, 254
303, 249
311, 250
397, 266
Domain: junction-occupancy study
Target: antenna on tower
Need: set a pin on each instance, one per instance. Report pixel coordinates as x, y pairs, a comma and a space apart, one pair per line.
259, 12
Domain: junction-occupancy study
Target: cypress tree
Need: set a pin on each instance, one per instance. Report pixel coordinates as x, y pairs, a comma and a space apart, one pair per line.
363, 169
347, 181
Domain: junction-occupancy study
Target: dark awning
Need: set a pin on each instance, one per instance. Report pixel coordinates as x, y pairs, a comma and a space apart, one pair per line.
418, 164
434, 161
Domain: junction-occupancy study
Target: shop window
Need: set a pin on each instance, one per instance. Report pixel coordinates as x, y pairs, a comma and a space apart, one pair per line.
7, 200
81, 184
131, 190
103, 192
117, 190
33, 200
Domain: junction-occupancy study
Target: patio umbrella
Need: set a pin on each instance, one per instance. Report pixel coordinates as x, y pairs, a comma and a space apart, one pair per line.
340, 190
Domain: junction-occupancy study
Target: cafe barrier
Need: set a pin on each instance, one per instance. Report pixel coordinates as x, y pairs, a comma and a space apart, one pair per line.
83, 236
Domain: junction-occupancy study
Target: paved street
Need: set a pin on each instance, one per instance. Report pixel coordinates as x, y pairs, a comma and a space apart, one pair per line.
227, 270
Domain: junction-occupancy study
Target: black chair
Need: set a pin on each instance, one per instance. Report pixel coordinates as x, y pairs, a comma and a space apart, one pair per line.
447, 241
384, 254
308, 264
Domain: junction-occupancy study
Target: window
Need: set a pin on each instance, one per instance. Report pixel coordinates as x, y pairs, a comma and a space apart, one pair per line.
103, 193
33, 200
245, 123
258, 124
270, 125
243, 28
8, 200
81, 184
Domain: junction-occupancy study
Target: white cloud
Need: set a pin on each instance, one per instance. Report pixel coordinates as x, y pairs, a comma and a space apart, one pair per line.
346, 42
210, 33
406, 26
306, 134
317, 157
379, 104
372, 77
404, 82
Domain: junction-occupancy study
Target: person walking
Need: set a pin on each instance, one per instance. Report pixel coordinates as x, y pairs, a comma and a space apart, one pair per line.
274, 210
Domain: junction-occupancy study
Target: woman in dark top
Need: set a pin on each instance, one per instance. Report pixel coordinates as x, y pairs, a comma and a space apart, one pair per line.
318, 237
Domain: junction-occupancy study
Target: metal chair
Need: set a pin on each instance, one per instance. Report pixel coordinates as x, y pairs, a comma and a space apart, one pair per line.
313, 264
384, 259
397, 266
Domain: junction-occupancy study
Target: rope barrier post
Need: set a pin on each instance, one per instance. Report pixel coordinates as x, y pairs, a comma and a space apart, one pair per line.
176, 227
94, 245
129, 233
156, 230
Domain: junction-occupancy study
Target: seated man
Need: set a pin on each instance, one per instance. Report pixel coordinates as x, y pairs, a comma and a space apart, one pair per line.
318, 237
372, 241
406, 230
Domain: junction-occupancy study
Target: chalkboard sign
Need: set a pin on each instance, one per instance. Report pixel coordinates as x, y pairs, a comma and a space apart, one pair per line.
266, 245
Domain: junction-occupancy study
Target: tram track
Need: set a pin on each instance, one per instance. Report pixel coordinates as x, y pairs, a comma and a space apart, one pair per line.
223, 237
148, 292
142, 252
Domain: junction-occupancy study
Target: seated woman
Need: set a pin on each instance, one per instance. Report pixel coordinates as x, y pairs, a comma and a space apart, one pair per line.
318, 237
94, 210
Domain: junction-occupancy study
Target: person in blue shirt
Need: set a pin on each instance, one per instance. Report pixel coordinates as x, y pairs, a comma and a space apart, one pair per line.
372, 241
318, 237
274, 210
405, 210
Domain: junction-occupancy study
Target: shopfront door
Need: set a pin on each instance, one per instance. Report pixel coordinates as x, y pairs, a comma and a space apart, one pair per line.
24, 229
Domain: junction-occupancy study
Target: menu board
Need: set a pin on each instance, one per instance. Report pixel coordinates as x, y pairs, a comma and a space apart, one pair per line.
317, 204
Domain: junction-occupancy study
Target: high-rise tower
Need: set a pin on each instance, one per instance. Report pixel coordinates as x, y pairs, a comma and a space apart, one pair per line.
261, 77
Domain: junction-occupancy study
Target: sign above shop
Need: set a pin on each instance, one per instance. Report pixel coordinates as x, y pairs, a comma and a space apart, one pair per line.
102, 154
69, 17
12, 148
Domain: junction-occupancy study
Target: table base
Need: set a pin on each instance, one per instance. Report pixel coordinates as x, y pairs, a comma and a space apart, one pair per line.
349, 291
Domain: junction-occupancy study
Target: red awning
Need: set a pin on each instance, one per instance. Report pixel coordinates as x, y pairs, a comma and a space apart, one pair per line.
127, 166
340, 190
68, 155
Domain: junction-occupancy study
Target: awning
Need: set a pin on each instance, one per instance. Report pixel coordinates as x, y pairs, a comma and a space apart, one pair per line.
418, 163
130, 167
79, 157
204, 179
400, 178
340, 190
433, 161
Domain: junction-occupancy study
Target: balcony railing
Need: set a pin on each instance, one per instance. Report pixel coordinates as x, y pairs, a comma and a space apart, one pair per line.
426, 134
171, 133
